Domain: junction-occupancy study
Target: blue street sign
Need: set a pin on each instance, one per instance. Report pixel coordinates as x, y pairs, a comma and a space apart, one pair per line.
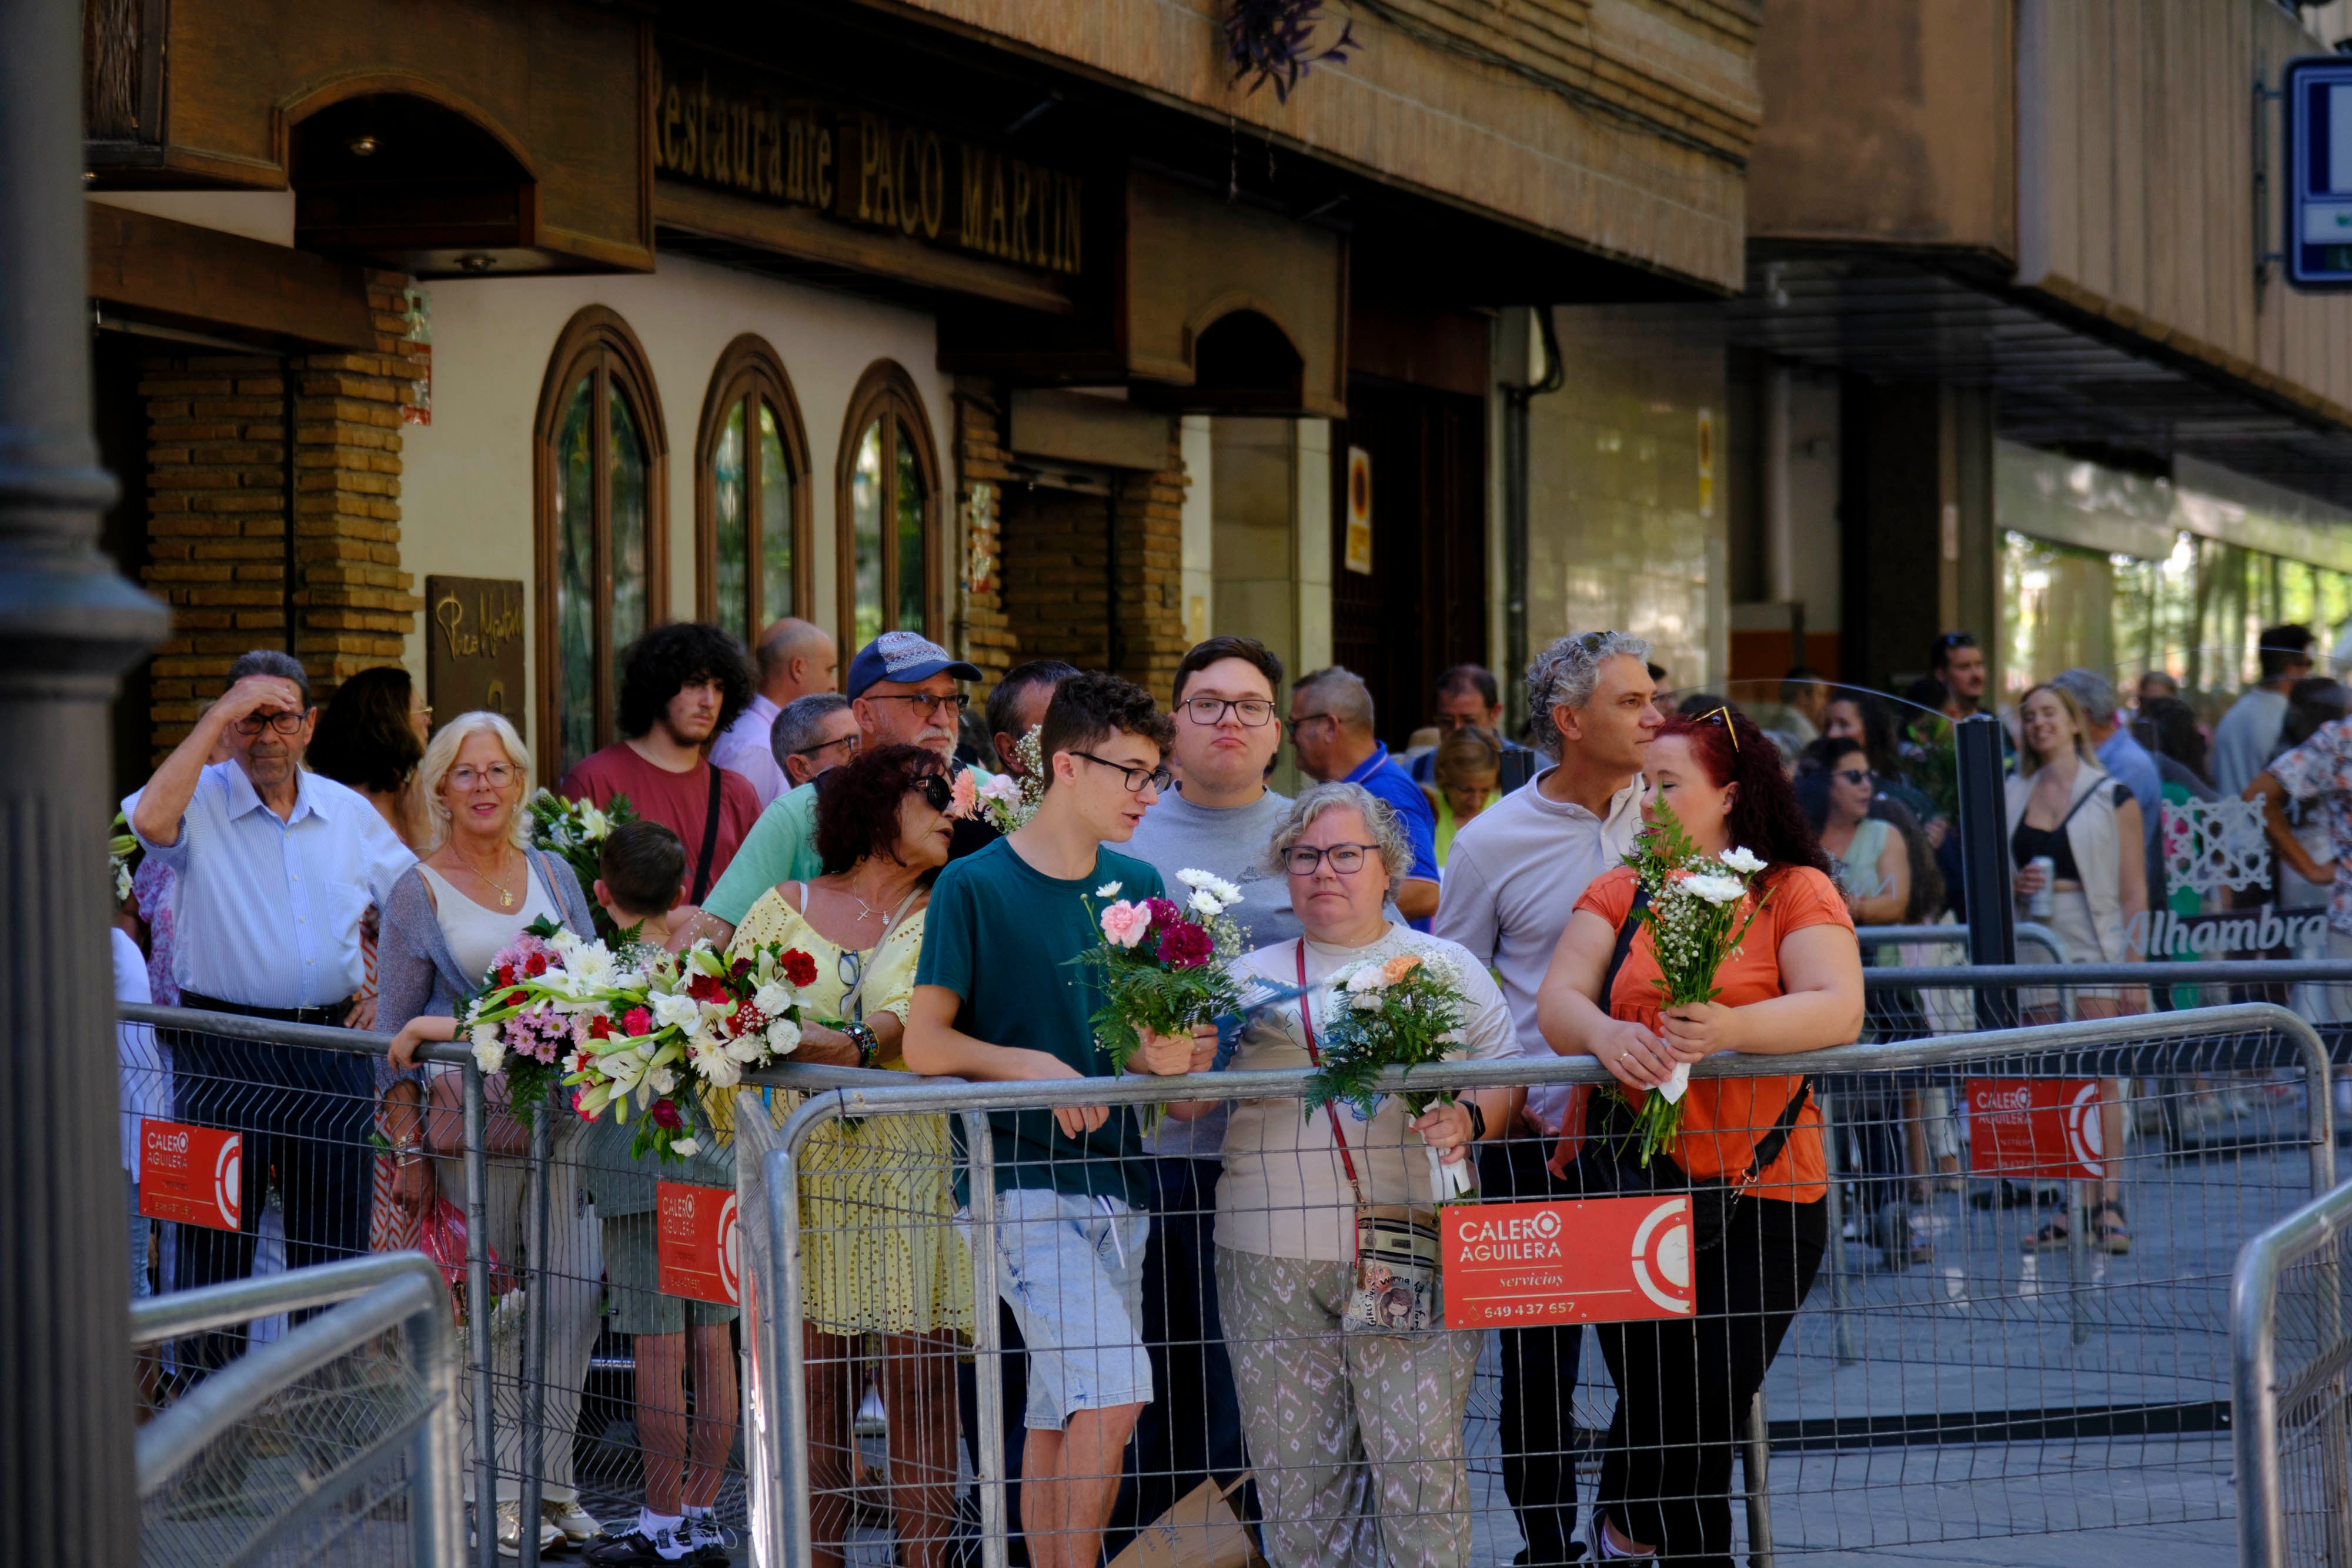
2318, 239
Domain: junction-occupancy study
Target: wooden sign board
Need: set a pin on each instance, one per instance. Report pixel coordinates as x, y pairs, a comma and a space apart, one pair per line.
473, 647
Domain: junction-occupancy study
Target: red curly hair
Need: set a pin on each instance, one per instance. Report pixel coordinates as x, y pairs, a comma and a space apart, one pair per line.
1764, 817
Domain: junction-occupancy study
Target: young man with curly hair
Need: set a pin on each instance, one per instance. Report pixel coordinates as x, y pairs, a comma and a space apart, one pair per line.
999, 996
680, 685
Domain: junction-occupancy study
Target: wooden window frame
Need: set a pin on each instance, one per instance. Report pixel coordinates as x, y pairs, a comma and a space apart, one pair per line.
886, 389
598, 343
748, 370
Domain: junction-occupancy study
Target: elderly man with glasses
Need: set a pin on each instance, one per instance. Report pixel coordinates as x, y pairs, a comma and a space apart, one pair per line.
275, 868
812, 735
902, 691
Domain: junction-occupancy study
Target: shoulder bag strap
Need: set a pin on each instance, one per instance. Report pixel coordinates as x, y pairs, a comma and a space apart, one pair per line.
1307, 1022
1625, 933
851, 1008
709, 840
1768, 1146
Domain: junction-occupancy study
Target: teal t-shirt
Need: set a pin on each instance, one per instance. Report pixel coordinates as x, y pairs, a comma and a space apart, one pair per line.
1003, 936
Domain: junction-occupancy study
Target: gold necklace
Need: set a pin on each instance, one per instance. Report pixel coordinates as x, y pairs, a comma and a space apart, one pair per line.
505, 899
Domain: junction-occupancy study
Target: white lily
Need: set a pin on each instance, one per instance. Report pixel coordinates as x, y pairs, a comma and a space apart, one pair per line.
489, 1050
593, 823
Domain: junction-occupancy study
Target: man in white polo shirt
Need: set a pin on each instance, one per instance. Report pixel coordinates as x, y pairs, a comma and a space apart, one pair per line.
1513, 878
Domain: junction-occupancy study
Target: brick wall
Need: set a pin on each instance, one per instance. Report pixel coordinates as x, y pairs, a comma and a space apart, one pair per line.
976, 541
1064, 551
218, 513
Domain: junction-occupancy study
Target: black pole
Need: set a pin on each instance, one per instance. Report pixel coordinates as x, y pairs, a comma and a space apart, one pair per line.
69, 628
1984, 861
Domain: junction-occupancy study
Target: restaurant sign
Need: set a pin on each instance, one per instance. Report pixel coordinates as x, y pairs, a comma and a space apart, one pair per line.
735, 129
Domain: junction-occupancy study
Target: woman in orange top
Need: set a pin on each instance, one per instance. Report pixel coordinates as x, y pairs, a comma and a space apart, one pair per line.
1795, 985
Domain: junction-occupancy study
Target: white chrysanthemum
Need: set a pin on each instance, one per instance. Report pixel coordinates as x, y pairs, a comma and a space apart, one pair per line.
683, 1146
775, 999
783, 1036
675, 1010
1714, 889
1209, 881
489, 1050
1741, 859
1367, 978
1108, 890
591, 964
1206, 904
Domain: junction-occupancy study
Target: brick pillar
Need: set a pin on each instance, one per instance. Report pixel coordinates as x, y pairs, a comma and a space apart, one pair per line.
977, 545
217, 515
1151, 573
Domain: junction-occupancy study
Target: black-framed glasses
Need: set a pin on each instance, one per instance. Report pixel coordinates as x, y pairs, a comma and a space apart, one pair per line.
283, 723
1158, 777
1301, 720
934, 788
1301, 860
1254, 712
849, 741
1851, 775
925, 703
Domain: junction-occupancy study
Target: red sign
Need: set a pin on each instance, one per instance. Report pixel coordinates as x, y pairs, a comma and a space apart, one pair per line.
2047, 1127
193, 1175
694, 1242
1603, 1260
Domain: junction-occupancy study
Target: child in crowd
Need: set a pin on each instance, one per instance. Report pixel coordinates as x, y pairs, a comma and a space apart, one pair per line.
642, 876
1004, 928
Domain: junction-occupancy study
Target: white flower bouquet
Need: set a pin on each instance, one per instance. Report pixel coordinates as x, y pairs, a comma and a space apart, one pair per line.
1698, 912
1407, 1010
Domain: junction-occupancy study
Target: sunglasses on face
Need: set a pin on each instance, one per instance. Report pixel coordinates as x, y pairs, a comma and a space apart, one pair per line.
934, 788
1851, 775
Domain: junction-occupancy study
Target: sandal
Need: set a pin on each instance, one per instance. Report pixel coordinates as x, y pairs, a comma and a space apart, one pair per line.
2051, 1238
2110, 1234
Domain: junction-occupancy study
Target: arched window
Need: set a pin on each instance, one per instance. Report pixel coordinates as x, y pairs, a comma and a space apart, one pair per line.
887, 526
602, 527
751, 498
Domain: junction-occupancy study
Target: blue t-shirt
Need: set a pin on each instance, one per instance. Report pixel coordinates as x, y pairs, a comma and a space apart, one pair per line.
1007, 938
1381, 775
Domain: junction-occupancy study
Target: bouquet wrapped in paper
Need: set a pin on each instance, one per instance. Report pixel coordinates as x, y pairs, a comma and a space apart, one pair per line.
1698, 912
1165, 967
1406, 1010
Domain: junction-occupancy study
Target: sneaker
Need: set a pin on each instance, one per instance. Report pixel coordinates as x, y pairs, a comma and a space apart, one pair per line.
636, 1548
579, 1527
714, 1544
511, 1531
1601, 1551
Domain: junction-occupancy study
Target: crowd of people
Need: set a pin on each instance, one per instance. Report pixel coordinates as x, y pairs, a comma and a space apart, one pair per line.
341, 867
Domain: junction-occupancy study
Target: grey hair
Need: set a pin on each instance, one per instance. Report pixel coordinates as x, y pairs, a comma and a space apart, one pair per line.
796, 726
275, 662
1566, 672
1396, 848
1344, 693
2092, 691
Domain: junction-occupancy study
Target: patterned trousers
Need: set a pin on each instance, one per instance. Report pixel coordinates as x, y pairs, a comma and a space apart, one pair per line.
1355, 1439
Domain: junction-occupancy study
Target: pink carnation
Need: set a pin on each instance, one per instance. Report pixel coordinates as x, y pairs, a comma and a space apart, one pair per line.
1124, 923
1185, 947
965, 797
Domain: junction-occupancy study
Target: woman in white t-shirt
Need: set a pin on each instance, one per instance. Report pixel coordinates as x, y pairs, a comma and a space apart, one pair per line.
1356, 1437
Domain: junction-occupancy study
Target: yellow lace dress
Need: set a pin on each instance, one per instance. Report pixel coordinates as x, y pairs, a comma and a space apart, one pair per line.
880, 1253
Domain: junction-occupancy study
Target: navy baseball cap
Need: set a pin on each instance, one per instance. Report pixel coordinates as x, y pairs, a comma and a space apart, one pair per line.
902, 656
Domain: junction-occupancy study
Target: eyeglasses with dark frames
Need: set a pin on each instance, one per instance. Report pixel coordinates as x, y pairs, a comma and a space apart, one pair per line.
1301, 860
849, 741
925, 703
283, 723
1158, 777
1254, 712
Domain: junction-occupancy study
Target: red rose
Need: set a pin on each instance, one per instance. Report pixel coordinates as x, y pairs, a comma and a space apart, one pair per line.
1185, 947
664, 1114
599, 1027
506, 974
800, 968
638, 1021
706, 988
535, 965
516, 998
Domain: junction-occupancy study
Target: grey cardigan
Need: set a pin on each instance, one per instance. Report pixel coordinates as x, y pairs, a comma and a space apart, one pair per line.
416, 975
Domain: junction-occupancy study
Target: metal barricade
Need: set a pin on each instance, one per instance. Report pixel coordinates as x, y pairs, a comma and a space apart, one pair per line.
2291, 1393
336, 1444
1990, 1365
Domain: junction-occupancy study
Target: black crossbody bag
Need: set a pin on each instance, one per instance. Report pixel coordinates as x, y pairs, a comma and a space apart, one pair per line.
1610, 1163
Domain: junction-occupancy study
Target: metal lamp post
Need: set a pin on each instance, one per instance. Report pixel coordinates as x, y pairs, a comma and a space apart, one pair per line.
69, 627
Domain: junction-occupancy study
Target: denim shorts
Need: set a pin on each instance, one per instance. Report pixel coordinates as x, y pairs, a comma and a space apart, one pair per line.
1071, 1268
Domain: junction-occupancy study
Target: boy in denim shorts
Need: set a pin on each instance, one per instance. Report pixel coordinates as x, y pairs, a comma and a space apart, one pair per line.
997, 996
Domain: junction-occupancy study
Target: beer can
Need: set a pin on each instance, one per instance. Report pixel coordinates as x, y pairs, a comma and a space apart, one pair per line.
2039, 903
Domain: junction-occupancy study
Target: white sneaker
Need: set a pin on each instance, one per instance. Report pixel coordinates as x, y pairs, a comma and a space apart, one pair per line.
511, 1531
578, 1527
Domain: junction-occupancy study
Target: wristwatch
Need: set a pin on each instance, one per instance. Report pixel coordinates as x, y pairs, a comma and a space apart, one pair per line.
407, 1154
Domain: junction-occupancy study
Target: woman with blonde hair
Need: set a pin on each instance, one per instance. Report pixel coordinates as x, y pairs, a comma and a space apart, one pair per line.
478, 885
2064, 808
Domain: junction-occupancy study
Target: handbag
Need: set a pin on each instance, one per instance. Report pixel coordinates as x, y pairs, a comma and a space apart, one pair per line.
1392, 1283
1607, 1165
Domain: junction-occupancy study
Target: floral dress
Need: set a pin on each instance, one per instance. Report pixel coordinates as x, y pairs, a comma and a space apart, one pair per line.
880, 1253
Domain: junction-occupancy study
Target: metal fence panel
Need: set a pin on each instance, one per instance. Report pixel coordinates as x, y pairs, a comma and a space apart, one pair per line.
2293, 1396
